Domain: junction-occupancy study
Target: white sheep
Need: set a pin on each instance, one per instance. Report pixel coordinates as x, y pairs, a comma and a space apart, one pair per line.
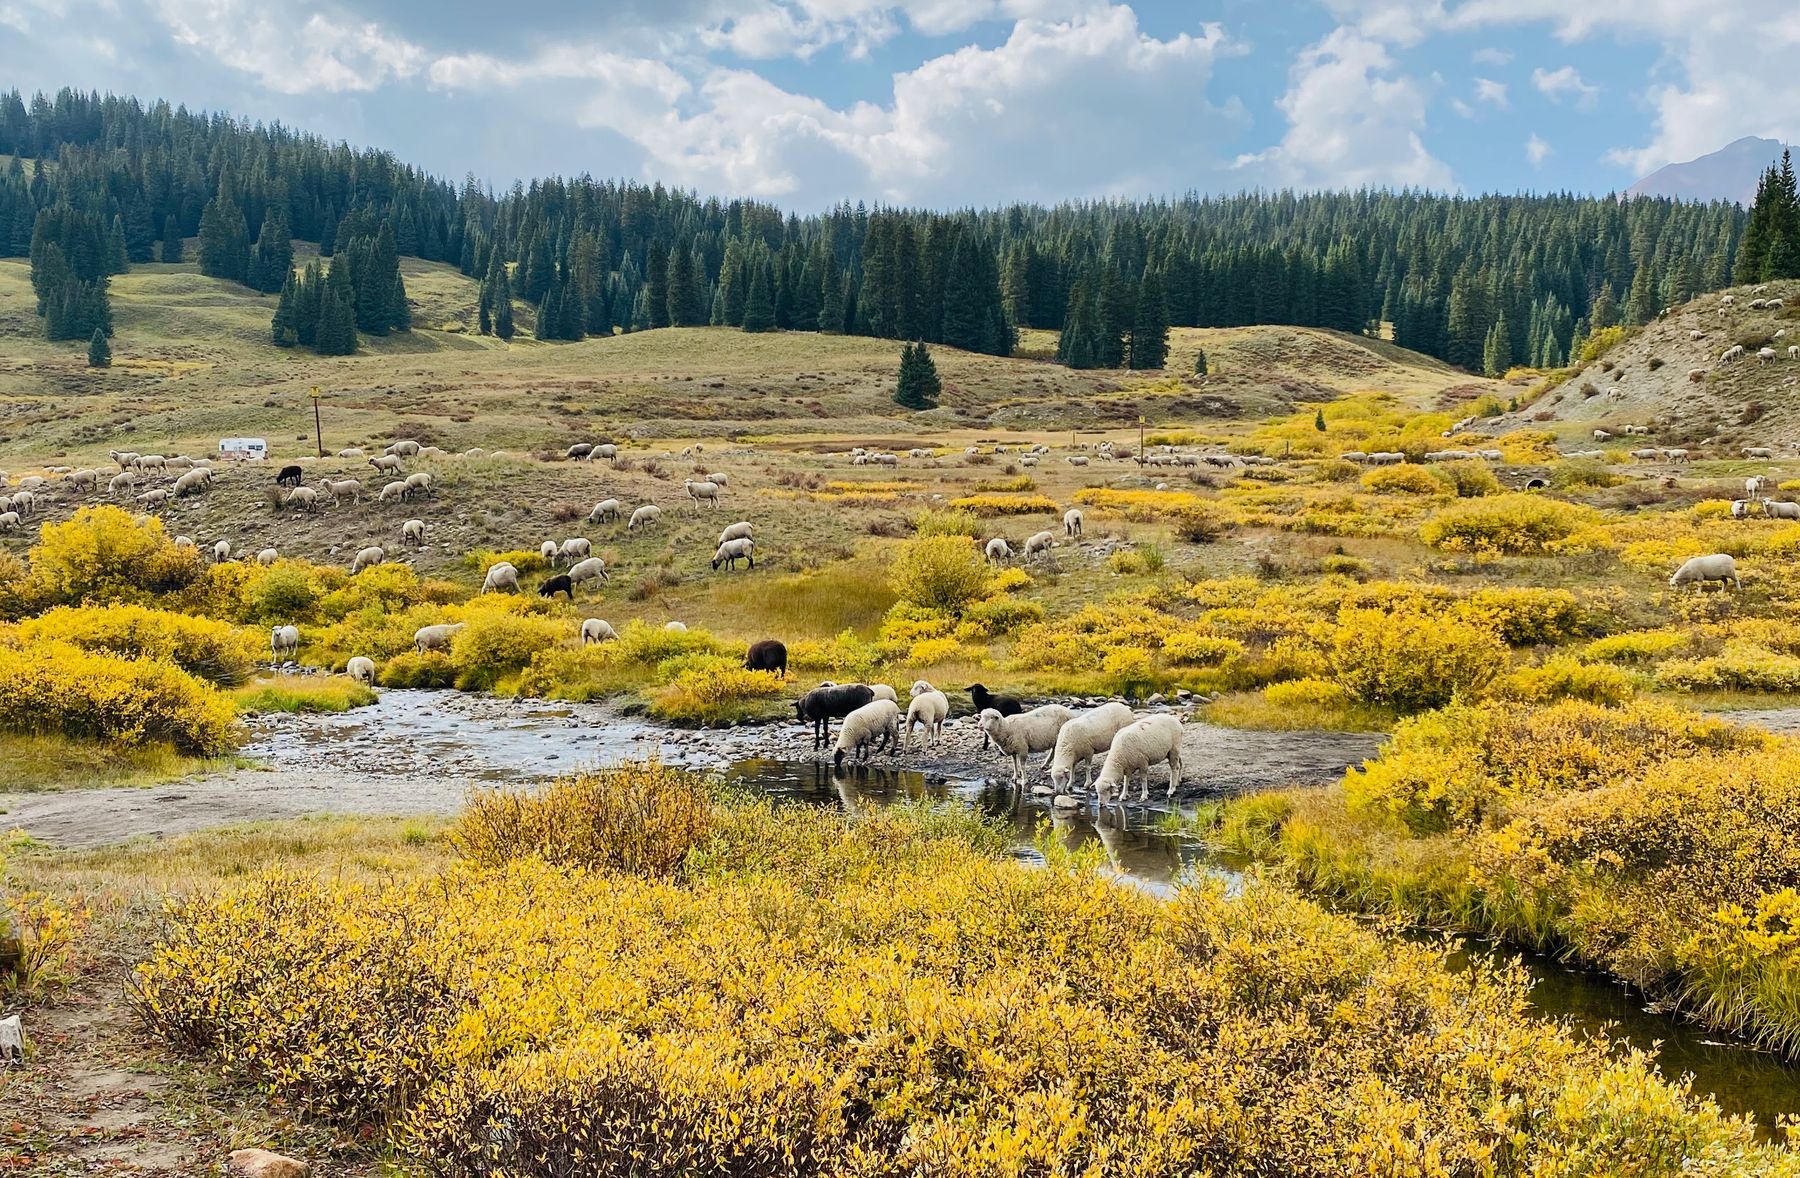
386, 464
501, 576
302, 498
1755, 485
184, 542
1735, 352
1794, 351
738, 531
884, 691
595, 630
874, 727
193, 482
1078, 460
145, 463
928, 708
675, 627
718, 478
1778, 509
643, 517
702, 492
604, 510
121, 483
394, 492
405, 448
1698, 570
1082, 739
1740, 509
1676, 454
413, 532
1026, 733
436, 637
338, 489
1696, 375
587, 570
154, 498
573, 549
608, 452
732, 551
25, 503
998, 551
1072, 523
1765, 355
267, 557
1758, 452
547, 550
1135, 748
367, 558
8, 520
350, 452
361, 669
221, 552
1039, 542
84, 480
284, 640
418, 484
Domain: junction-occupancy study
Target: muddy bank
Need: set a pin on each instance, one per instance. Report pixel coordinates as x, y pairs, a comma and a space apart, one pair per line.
420, 752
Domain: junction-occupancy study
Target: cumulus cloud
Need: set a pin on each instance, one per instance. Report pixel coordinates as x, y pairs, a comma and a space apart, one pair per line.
320, 52
1353, 120
1536, 150
1491, 56
1491, 92
1564, 84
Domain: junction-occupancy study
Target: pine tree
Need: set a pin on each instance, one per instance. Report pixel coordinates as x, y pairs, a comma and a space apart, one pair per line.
272, 258
1496, 351
337, 312
503, 308
1149, 343
759, 303
171, 240
1200, 362
282, 329
918, 386
99, 351
656, 285
1319, 421
224, 239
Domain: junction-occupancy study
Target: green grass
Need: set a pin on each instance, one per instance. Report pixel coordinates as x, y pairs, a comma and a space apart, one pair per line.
302, 693
47, 762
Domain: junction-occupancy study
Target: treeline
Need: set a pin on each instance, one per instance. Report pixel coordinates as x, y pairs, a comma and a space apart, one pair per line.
1771, 245
1483, 282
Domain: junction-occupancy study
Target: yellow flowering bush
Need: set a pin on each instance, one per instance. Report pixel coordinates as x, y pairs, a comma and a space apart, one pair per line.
54, 687
809, 996
640, 818
105, 553
1635, 646
1138, 506
1525, 616
211, 650
992, 505
525, 560
1306, 693
1505, 524
1741, 666
495, 645
1405, 480
1411, 660
1564, 677
714, 694
943, 573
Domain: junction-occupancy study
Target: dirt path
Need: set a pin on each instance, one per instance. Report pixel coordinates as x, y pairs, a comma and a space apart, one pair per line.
419, 752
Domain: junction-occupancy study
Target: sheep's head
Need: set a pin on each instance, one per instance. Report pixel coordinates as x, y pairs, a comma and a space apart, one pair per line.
990, 720
921, 688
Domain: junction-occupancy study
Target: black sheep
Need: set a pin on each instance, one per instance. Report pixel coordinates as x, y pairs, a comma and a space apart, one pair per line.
767, 655
289, 477
822, 705
1006, 705
557, 584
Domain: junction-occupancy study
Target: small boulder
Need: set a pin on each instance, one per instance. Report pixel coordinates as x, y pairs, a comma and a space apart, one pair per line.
262, 1163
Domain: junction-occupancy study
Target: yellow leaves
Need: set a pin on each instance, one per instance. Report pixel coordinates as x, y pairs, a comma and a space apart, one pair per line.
995, 504
57, 688
1505, 525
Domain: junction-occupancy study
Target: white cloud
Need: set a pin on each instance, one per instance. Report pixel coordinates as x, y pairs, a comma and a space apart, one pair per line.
1537, 151
1491, 56
319, 53
1491, 92
1352, 121
1565, 83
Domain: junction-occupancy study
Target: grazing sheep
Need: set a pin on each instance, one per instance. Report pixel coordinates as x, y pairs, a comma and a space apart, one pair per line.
1082, 739
184, 542
1386, 458
608, 452
1039, 542
1077, 460
883, 691
738, 531
341, 488
767, 655
675, 627
25, 503
121, 482
8, 520
1755, 485
1758, 452
822, 705
1780, 509
154, 498
148, 462
558, 584
998, 551
193, 482
730, 552
413, 532
289, 477
123, 457
579, 451
1028, 461
1700, 569
367, 558
221, 552
1072, 523
928, 708
595, 630
548, 551
702, 492
1727, 300
573, 549
1649, 454
1740, 509
1021, 735
643, 517
350, 452
1601, 435
1765, 355
583, 571
302, 498
361, 669
1676, 454
501, 576
1794, 351
84, 480
1135, 748
1696, 334
267, 557
386, 464
1696, 375
404, 448
394, 492
420, 483
606, 509
874, 727
1735, 352
436, 637
284, 640
718, 478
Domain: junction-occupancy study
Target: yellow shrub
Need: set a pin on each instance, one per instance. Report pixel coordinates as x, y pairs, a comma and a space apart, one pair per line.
1637, 646
526, 561
494, 645
1306, 693
714, 694
940, 572
1198, 647
994, 616
646, 644
1505, 524
990, 505
52, 687
906, 623
1139, 506
843, 657
1565, 678
930, 651
1741, 666
1410, 661
935, 521
200, 646
1524, 616
105, 553
641, 819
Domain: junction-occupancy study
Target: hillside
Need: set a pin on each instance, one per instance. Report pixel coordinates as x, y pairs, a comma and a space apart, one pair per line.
192, 363
1646, 380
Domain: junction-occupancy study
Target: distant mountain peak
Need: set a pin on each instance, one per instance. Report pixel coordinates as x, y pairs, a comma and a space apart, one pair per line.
1729, 173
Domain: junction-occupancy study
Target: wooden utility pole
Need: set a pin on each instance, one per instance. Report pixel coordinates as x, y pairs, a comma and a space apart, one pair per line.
318, 430
1140, 441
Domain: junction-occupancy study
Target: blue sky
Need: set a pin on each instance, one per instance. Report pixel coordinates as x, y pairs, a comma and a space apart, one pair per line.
963, 102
